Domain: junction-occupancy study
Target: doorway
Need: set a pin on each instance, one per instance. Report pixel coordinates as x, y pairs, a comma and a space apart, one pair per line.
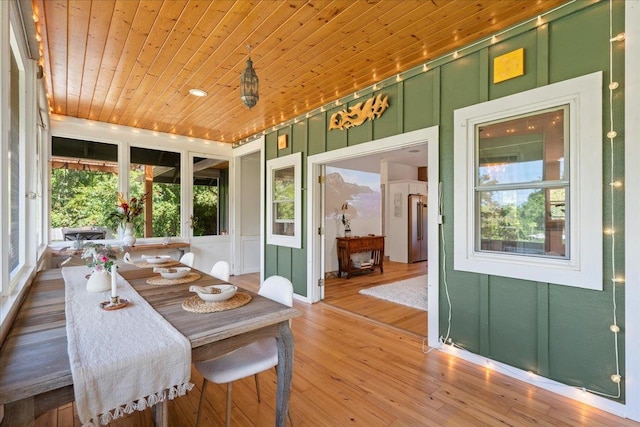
360, 154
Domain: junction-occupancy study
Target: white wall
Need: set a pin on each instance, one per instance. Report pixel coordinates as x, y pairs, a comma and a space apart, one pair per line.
399, 172
397, 241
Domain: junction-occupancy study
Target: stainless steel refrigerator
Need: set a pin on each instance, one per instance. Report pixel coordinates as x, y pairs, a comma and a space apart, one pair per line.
417, 228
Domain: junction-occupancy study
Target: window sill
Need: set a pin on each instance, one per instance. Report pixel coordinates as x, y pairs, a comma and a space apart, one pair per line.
10, 303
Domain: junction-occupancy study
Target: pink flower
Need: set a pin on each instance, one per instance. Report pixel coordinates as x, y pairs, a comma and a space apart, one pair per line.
104, 258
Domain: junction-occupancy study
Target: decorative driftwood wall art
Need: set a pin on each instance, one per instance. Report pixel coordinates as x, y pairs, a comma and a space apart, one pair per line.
371, 109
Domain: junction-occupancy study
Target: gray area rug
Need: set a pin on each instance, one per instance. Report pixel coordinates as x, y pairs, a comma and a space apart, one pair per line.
410, 292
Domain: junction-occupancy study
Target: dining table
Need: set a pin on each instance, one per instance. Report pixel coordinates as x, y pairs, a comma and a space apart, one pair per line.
35, 372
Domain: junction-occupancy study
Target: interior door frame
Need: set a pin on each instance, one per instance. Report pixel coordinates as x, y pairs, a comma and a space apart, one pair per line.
236, 207
315, 253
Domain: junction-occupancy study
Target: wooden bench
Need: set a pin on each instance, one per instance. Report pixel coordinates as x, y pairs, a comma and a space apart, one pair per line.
34, 365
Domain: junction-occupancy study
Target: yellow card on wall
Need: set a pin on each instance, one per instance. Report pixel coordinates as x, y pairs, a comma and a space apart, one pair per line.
282, 142
508, 66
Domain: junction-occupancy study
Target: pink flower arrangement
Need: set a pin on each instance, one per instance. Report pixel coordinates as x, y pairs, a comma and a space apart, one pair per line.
100, 257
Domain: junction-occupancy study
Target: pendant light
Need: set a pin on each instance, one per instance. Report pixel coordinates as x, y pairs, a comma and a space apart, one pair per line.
249, 84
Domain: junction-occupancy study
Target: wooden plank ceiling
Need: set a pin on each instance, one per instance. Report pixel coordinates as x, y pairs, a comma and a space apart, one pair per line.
132, 63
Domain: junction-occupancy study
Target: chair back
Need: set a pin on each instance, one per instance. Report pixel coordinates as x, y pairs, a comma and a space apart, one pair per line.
188, 259
220, 270
279, 289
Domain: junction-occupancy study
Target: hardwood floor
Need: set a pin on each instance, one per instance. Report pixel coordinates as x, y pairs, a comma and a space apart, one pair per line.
350, 370
344, 293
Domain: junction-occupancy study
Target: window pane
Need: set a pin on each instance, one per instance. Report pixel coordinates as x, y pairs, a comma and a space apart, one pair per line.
284, 211
528, 221
210, 196
283, 184
14, 170
523, 149
283, 201
156, 173
84, 187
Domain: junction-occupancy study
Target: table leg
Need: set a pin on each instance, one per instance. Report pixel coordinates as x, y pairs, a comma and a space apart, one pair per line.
19, 413
161, 414
285, 373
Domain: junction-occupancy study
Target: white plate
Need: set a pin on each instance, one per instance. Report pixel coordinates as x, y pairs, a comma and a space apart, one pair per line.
172, 272
205, 292
157, 259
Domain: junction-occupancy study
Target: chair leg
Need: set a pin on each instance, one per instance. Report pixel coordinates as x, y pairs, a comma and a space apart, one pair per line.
228, 423
204, 384
257, 386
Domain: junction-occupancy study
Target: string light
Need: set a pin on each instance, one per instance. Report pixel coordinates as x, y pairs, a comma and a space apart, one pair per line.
620, 37
615, 185
425, 67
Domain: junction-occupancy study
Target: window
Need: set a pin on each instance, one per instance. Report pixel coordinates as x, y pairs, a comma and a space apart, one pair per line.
210, 196
284, 199
522, 184
15, 209
84, 188
528, 185
157, 174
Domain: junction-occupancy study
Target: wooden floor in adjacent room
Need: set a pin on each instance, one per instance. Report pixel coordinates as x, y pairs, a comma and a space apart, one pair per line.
353, 371
344, 293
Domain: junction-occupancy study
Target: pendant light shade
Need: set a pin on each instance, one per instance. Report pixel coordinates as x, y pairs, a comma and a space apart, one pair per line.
249, 85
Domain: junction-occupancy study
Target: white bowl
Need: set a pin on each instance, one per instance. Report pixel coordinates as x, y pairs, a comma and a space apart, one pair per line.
173, 272
214, 292
157, 259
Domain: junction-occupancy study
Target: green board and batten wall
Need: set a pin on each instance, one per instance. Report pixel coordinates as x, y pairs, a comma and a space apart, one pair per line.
558, 332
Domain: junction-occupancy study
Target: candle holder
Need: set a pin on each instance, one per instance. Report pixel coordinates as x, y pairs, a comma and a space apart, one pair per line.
115, 303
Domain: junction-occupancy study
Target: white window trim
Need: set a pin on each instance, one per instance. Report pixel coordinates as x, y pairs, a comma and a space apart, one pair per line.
584, 267
294, 241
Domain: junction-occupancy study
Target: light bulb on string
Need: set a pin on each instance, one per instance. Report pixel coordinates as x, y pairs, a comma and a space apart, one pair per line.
620, 37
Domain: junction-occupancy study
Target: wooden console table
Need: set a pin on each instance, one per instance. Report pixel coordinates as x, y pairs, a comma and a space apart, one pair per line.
352, 245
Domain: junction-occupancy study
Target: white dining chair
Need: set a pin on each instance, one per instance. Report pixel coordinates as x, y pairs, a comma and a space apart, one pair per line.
188, 259
250, 359
220, 270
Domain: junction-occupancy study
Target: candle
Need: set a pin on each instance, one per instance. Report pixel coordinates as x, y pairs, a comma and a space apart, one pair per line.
114, 292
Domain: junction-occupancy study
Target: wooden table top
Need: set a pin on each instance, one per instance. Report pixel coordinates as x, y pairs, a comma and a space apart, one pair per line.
34, 358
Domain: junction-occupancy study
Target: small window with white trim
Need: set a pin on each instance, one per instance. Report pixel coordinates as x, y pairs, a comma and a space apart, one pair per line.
528, 180
284, 210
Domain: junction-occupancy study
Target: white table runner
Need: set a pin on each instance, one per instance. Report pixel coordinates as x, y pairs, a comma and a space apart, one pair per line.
122, 360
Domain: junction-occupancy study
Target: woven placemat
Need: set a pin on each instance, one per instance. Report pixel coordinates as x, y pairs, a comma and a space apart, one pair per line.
195, 304
159, 280
169, 263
